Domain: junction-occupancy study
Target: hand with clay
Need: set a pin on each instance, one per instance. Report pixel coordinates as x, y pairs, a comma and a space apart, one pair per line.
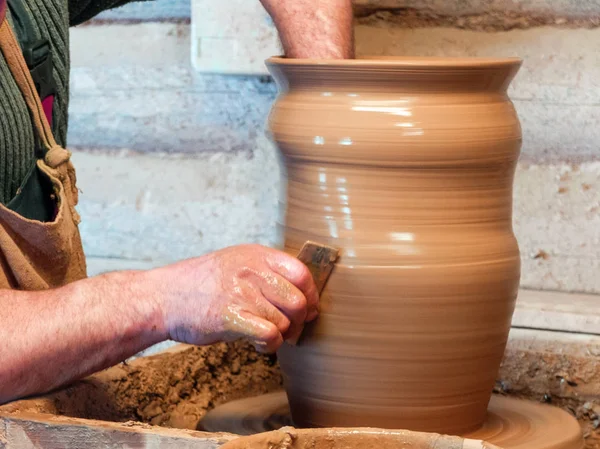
248, 291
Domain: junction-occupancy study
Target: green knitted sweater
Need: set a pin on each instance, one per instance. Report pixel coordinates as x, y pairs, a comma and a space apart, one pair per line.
51, 19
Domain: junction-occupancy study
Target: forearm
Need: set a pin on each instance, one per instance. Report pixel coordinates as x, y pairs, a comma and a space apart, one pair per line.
314, 28
50, 338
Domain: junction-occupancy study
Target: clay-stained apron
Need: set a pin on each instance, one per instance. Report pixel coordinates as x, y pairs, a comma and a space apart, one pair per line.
37, 255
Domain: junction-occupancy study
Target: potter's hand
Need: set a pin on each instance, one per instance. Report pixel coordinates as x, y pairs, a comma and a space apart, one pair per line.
247, 291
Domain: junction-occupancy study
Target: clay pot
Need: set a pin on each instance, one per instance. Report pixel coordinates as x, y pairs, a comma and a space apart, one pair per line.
290, 438
407, 166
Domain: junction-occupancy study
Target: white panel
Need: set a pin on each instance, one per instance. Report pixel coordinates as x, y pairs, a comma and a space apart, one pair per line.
232, 37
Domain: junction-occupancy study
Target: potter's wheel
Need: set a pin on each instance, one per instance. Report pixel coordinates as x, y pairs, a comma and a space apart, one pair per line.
511, 423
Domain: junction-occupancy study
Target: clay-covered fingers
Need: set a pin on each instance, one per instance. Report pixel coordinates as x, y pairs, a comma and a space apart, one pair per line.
298, 275
251, 299
268, 310
287, 298
262, 333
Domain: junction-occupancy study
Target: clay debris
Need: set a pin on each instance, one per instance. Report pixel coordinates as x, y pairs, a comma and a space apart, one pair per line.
171, 389
566, 380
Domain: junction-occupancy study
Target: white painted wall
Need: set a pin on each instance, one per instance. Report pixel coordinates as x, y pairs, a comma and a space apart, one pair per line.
233, 38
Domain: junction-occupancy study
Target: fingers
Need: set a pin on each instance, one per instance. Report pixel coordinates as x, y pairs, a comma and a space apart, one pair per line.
288, 299
269, 296
298, 274
255, 302
263, 334
270, 312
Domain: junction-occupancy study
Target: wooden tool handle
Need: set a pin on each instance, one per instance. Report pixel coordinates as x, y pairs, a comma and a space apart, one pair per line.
320, 260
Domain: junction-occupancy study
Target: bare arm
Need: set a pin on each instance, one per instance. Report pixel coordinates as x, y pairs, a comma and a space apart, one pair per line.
319, 29
50, 338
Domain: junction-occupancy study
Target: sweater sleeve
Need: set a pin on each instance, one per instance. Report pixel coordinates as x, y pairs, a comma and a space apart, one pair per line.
83, 10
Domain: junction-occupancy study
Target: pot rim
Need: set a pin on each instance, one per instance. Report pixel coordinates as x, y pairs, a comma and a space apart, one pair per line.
408, 62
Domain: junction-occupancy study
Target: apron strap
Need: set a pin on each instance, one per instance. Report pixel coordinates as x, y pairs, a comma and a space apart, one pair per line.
55, 155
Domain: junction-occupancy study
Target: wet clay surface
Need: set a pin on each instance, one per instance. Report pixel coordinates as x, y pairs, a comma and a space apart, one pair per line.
171, 390
406, 165
290, 438
510, 423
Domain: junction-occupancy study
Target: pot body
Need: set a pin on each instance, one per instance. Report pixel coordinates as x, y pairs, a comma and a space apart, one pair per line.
407, 166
